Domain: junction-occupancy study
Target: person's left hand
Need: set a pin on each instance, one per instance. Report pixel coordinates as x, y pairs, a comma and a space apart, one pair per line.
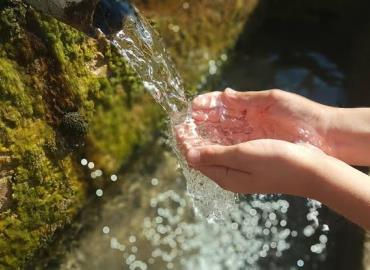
232, 117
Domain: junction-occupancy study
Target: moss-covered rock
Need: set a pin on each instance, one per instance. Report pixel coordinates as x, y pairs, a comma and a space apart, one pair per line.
46, 80
64, 97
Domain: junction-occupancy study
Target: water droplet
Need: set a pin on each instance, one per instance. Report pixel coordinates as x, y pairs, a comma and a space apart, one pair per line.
84, 162
155, 181
106, 229
323, 239
99, 192
132, 239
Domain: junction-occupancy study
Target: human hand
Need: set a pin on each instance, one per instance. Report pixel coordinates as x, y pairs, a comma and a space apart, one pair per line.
243, 141
259, 128
232, 117
271, 166
260, 166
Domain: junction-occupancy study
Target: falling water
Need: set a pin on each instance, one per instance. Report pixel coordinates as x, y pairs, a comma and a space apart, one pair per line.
142, 48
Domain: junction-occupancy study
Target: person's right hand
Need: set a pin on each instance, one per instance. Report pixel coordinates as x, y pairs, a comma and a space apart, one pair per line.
271, 114
272, 166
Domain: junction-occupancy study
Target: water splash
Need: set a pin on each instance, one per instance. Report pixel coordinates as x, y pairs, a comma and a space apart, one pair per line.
138, 43
142, 48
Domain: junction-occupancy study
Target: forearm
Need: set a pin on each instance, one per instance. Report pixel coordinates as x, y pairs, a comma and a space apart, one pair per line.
348, 135
344, 189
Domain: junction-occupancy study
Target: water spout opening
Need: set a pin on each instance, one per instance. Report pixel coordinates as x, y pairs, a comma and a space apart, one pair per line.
110, 15
88, 15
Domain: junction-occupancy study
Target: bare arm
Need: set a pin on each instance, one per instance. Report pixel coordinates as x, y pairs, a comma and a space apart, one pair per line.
343, 188
349, 135
271, 166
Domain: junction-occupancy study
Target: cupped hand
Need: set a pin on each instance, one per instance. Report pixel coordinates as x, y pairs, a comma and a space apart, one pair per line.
272, 166
261, 166
277, 142
232, 117
255, 142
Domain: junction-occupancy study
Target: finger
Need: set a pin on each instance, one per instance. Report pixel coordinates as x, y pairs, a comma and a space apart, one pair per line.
243, 100
207, 101
217, 155
228, 179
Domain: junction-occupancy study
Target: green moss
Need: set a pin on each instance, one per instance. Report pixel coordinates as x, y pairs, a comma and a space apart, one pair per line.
53, 77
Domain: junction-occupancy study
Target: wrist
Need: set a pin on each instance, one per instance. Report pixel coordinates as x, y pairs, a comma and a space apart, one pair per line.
319, 177
326, 125
347, 134
310, 170
342, 188
334, 132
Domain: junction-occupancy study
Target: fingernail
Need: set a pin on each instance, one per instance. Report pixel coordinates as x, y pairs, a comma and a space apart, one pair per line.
193, 156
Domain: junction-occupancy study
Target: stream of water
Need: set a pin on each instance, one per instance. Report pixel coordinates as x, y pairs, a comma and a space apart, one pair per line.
142, 48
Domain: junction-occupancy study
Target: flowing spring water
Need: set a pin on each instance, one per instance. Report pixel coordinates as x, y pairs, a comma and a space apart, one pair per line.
142, 48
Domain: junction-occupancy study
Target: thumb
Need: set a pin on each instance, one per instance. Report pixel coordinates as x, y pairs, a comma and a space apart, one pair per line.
243, 100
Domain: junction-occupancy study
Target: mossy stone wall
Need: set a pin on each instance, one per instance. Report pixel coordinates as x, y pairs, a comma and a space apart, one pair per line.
64, 97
